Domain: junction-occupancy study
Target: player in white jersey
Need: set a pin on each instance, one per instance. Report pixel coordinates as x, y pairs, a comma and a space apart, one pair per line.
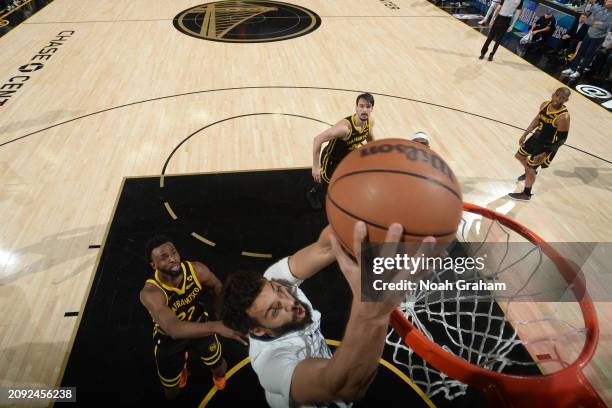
287, 349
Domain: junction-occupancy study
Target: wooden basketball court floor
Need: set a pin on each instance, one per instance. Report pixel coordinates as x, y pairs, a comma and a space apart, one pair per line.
126, 88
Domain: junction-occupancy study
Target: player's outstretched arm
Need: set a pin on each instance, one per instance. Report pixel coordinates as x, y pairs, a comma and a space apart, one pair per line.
348, 374
313, 258
338, 131
154, 300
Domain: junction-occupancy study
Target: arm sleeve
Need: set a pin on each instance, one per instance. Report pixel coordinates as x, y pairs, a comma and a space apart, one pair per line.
280, 270
562, 139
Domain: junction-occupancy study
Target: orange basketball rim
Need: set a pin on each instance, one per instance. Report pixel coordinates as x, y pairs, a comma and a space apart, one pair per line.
566, 388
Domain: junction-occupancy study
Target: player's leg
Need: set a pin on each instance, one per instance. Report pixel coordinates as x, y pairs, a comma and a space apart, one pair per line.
327, 171
220, 369
549, 158
530, 155
524, 161
529, 149
210, 353
534, 162
542, 161
171, 363
530, 177
316, 195
526, 150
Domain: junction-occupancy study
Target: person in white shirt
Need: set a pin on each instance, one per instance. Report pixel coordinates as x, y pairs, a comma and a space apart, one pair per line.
287, 349
505, 16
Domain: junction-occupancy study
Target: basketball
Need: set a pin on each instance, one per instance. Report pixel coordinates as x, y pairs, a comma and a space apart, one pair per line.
394, 180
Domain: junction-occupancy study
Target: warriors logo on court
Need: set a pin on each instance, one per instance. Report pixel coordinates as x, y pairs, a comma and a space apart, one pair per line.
246, 21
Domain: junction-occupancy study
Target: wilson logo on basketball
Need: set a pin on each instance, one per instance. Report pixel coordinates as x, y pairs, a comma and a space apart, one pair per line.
412, 153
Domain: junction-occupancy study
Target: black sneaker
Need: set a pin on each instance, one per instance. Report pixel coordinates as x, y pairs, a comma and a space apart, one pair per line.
522, 196
481, 56
490, 57
313, 199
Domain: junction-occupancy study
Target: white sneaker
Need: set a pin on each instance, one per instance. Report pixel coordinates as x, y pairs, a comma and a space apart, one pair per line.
575, 75
481, 22
568, 71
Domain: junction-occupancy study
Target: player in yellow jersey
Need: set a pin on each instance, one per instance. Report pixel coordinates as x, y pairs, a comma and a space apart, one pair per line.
551, 126
174, 298
348, 134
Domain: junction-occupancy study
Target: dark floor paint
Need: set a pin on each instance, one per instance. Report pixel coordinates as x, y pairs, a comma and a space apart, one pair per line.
111, 362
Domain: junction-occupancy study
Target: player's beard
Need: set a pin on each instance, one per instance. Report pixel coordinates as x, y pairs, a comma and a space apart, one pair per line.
294, 324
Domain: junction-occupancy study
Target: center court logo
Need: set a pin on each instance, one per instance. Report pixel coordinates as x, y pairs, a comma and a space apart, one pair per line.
246, 21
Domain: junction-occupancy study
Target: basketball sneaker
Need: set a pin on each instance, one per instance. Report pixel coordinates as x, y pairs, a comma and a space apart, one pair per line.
568, 71
219, 382
522, 196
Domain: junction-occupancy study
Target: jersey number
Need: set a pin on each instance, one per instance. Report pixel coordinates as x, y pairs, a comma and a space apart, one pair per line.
181, 316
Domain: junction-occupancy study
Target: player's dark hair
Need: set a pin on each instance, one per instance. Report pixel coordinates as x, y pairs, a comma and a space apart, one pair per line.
366, 97
153, 243
239, 292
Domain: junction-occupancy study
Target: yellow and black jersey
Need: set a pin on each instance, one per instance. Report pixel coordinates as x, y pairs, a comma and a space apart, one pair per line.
187, 301
547, 128
337, 149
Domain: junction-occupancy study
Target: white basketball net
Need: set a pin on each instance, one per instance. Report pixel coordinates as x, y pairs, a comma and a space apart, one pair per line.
473, 327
